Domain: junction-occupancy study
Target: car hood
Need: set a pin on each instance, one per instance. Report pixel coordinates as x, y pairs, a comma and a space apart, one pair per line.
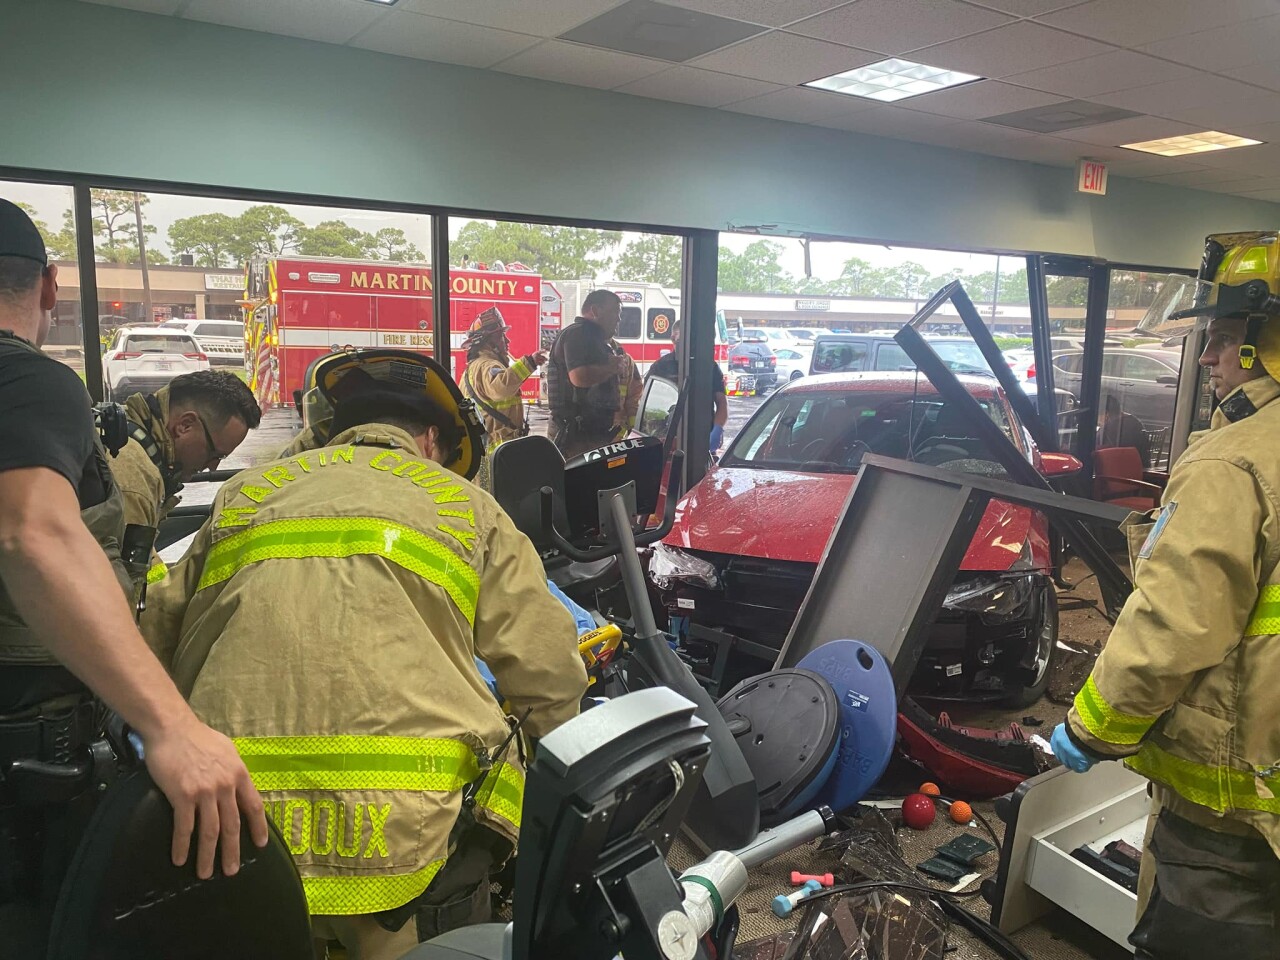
788, 516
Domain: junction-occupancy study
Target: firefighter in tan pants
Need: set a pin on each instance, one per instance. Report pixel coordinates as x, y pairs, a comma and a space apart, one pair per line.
327, 619
1185, 689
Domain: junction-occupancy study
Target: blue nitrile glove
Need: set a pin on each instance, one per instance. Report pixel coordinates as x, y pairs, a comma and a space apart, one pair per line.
1065, 749
717, 437
586, 623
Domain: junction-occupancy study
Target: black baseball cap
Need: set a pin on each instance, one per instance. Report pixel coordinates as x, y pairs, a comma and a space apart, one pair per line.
19, 236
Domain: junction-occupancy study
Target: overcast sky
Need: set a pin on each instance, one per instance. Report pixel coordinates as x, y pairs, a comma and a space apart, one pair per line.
827, 258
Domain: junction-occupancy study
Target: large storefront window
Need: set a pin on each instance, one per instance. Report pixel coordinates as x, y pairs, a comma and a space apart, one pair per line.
51, 206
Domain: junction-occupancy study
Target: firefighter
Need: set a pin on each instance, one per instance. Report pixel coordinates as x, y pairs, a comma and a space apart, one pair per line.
493, 382
190, 425
1184, 690
630, 389
65, 629
330, 612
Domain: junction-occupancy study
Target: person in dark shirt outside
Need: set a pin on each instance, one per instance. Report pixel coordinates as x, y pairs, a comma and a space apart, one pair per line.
667, 367
64, 620
584, 377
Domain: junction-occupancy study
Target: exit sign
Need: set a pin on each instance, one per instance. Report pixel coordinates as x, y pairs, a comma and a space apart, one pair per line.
1091, 177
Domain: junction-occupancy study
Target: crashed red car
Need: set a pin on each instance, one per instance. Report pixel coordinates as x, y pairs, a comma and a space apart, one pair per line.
748, 538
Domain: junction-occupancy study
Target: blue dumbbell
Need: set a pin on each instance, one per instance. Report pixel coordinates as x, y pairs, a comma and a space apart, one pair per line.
784, 903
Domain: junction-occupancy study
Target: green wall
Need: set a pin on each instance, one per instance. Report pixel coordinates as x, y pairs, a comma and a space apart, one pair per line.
100, 90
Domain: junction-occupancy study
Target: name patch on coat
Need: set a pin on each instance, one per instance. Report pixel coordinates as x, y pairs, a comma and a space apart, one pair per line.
1153, 537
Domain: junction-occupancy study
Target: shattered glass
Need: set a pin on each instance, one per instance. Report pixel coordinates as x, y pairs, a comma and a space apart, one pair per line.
881, 924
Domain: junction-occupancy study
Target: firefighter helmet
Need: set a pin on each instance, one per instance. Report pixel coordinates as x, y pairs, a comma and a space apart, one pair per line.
1240, 277
484, 326
338, 376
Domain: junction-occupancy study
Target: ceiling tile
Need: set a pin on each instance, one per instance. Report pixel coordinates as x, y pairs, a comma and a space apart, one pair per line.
1233, 186
976, 100
1117, 70
651, 29
1015, 48
536, 19
1036, 149
1233, 116
800, 105
887, 121
1208, 177
975, 136
785, 58
149, 6
1168, 98
1246, 42
1131, 23
770, 13
328, 21
1132, 130
899, 26
1270, 195
406, 34
701, 87
1262, 160
1149, 167
1026, 8
585, 66
1266, 132
1263, 74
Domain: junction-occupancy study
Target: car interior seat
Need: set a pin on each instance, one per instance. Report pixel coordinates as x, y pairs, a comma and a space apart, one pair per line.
1118, 479
950, 439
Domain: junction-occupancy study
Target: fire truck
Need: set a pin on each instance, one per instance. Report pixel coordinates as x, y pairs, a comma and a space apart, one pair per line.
298, 309
648, 310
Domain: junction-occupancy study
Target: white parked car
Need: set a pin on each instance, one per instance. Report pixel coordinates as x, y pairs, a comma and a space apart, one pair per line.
144, 359
793, 361
1021, 361
221, 340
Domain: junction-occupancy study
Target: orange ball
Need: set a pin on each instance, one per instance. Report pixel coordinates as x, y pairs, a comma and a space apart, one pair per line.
930, 790
961, 812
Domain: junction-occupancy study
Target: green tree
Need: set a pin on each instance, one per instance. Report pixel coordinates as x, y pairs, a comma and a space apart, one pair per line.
557, 252
856, 279
210, 238
390, 243
266, 229
755, 270
333, 238
653, 258
1067, 291
115, 223
60, 244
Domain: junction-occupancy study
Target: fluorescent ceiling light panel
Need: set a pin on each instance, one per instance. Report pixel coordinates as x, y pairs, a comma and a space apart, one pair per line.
893, 79
1192, 143
384, 3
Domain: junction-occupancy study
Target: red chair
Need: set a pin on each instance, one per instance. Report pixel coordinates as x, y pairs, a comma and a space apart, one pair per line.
1118, 478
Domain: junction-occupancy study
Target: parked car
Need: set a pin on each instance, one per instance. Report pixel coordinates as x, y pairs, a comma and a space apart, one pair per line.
806, 335
793, 362
774, 336
754, 357
856, 352
1022, 362
748, 538
222, 340
1144, 381
144, 359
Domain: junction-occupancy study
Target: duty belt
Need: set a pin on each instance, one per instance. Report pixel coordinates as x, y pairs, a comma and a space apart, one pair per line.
52, 732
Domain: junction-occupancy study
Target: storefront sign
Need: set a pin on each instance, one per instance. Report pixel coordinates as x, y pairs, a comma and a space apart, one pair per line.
812, 305
224, 281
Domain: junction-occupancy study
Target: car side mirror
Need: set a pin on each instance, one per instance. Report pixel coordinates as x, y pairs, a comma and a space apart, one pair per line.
1169, 380
1059, 464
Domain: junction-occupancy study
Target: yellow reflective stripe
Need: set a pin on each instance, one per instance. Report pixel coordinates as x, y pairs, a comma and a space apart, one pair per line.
1106, 722
346, 896
522, 368
504, 404
502, 793
157, 573
1218, 788
1265, 618
358, 763
346, 537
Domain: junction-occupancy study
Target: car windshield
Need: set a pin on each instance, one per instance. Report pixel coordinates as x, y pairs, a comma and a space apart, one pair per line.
962, 357
158, 343
828, 431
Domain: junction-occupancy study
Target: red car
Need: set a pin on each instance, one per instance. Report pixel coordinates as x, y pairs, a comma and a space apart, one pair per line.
748, 538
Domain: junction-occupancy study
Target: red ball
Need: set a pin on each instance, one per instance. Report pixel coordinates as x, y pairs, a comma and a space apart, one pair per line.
918, 811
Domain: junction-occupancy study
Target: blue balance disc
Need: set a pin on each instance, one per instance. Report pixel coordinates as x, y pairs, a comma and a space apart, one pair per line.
868, 717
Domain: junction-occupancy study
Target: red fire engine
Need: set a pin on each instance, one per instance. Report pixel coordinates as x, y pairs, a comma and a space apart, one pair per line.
298, 309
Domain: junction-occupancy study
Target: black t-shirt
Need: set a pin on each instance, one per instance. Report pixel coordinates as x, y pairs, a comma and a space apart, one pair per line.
582, 344
46, 420
667, 367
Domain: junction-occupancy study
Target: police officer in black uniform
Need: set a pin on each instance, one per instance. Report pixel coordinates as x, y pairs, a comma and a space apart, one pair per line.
66, 633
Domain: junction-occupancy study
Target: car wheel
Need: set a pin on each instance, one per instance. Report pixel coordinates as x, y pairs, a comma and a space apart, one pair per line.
796, 375
1023, 686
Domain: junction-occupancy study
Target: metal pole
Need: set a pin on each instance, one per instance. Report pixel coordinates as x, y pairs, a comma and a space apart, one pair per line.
440, 318
697, 347
1095, 329
149, 311
1041, 348
89, 329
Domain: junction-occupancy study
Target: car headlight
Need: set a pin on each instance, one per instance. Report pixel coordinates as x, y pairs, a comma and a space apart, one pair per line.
670, 565
995, 597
